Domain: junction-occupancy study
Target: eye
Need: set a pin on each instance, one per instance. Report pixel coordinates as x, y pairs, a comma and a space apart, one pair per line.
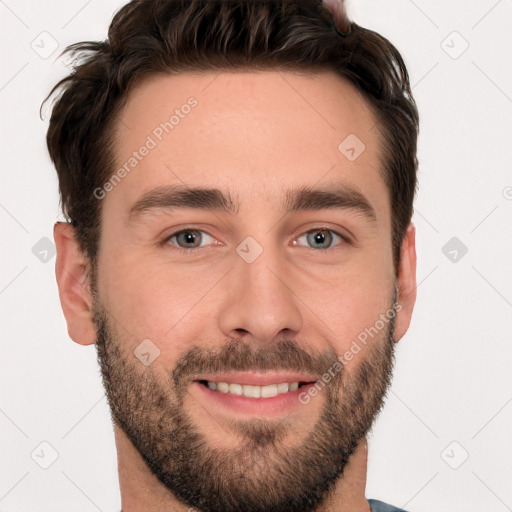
321, 238
187, 239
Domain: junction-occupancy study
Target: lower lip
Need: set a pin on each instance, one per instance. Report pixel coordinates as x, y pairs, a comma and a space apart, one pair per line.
279, 405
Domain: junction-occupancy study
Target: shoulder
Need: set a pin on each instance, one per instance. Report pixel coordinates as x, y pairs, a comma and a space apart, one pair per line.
380, 506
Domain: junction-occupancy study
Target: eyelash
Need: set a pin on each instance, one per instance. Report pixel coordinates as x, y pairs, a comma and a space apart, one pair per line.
182, 250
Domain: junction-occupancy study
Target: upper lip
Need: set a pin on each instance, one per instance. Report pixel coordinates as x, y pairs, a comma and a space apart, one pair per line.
257, 378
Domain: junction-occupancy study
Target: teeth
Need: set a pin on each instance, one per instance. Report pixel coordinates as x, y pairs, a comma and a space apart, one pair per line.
268, 391
223, 387
283, 388
253, 391
236, 389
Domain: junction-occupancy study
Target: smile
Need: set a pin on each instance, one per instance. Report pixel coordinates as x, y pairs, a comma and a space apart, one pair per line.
252, 391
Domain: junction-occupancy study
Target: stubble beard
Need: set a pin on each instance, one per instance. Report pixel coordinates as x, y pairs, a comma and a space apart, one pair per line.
262, 472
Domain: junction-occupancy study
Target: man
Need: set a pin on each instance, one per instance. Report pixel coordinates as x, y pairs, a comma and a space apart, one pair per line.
238, 179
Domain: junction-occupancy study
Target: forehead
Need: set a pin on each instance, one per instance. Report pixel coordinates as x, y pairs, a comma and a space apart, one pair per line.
249, 132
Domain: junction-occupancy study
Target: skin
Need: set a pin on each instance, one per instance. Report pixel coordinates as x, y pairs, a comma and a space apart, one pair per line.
254, 134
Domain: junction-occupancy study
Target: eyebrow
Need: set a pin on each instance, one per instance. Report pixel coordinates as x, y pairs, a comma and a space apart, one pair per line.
304, 198
180, 196
342, 197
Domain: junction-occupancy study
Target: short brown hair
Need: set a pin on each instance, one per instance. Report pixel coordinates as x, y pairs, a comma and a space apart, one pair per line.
170, 36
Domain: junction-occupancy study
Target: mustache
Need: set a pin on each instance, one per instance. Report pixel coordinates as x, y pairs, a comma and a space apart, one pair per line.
238, 355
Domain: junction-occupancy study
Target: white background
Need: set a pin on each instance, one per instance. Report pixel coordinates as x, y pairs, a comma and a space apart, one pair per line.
453, 380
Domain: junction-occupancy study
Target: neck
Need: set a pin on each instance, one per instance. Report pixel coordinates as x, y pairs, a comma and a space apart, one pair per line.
141, 490
349, 493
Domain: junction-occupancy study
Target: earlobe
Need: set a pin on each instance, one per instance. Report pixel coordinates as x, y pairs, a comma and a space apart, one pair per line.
72, 273
406, 282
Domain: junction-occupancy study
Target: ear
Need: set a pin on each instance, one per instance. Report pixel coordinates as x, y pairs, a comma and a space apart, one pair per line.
71, 270
406, 283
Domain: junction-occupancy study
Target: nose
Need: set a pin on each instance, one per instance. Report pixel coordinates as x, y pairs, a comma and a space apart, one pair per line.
259, 303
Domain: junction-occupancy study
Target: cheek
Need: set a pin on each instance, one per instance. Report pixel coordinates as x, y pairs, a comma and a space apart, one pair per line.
161, 302
349, 300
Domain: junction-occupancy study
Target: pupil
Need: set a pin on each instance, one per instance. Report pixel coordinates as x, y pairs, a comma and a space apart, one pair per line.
189, 237
321, 238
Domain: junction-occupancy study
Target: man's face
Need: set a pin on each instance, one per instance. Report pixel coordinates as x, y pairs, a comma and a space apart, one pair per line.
253, 295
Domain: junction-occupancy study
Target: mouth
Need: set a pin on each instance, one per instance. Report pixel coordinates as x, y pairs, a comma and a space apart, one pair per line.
251, 390
246, 394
